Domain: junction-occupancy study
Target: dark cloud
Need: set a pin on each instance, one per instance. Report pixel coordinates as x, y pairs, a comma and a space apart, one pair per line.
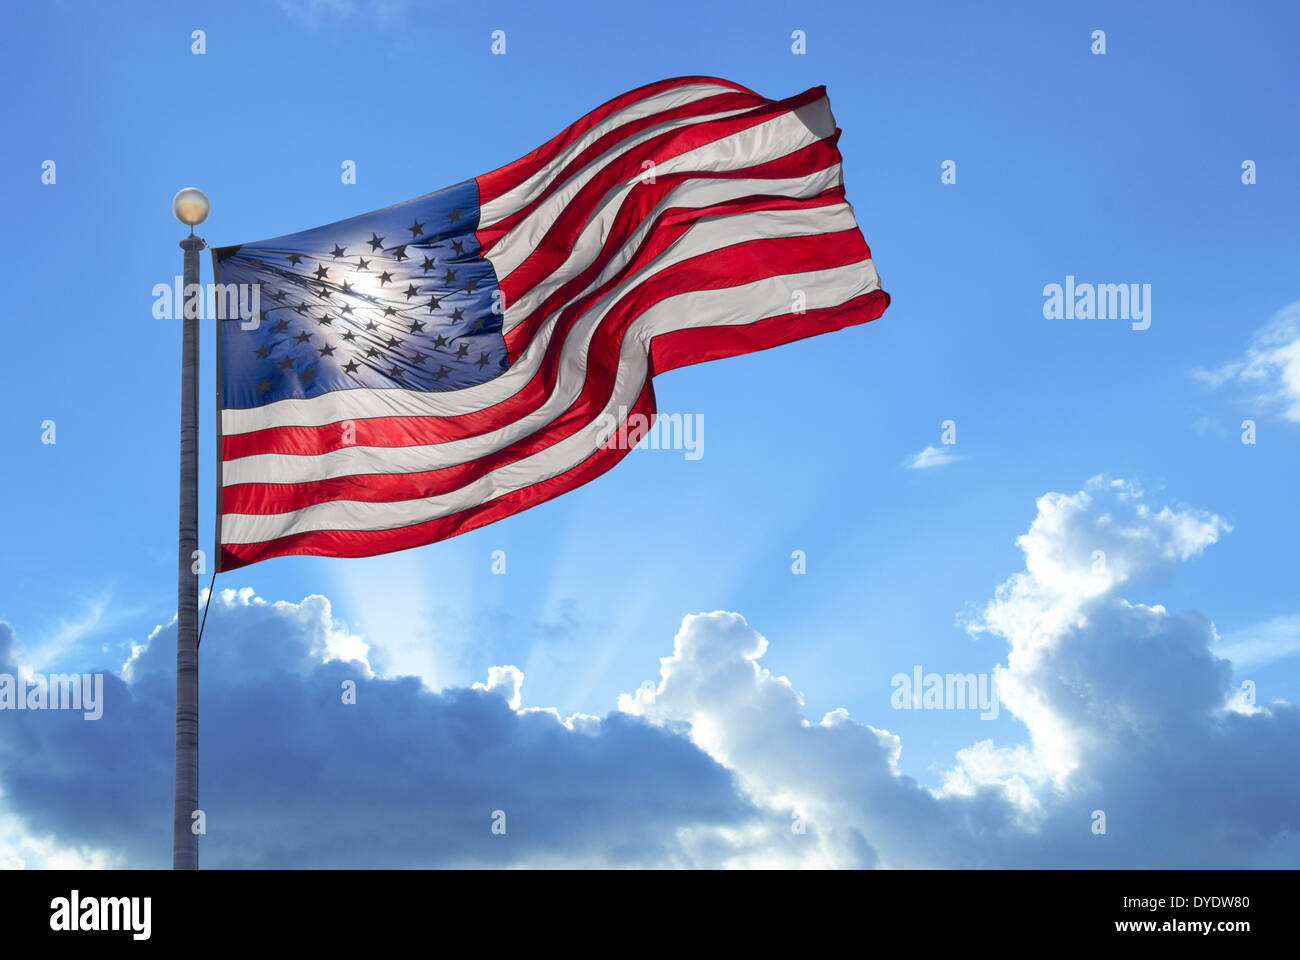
292, 777
1128, 712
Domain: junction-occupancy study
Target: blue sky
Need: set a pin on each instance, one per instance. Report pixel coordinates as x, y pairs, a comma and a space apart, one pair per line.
1117, 168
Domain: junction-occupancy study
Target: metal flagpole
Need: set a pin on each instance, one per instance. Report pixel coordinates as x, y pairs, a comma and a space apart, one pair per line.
191, 207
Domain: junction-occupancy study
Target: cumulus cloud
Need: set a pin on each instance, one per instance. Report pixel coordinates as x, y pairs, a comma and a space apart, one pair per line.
1130, 710
837, 779
1269, 371
931, 456
292, 776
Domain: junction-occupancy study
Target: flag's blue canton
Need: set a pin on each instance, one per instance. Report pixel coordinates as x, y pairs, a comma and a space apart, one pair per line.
395, 298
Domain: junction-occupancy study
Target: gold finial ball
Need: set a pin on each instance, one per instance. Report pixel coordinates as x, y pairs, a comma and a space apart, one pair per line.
190, 206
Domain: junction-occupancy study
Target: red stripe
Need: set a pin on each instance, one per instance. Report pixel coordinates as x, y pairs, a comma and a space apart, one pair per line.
503, 179
554, 247
415, 430
667, 351
682, 348
730, 266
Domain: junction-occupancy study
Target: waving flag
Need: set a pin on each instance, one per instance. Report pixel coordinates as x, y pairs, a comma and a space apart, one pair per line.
434, 366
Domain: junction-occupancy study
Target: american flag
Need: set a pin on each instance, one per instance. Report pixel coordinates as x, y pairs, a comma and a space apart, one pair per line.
437, 365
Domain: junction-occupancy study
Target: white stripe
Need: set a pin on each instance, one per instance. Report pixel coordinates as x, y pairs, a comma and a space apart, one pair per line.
572, 366
770, 139
521, 195
361, 403
729, 306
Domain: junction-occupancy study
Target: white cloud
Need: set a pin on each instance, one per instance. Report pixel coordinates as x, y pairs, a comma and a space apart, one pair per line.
839, 777
1079, 551
931, 456
505, 681
21, 849
1128, 711
1269, 372
1261, 643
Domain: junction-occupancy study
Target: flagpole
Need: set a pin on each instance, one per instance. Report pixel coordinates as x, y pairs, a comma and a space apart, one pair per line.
191, 208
